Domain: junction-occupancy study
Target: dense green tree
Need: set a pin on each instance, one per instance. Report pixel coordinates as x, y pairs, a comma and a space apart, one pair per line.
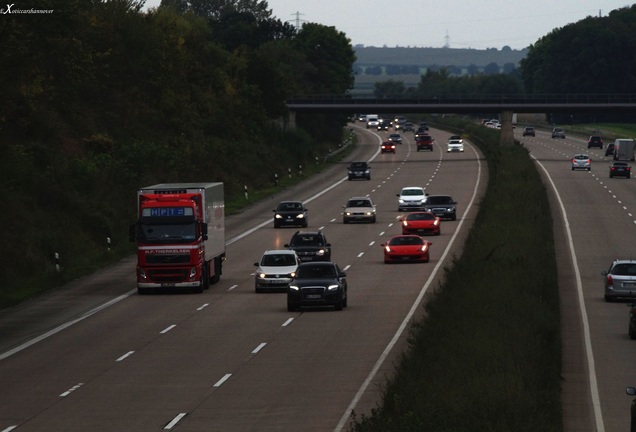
389, 89
589, 56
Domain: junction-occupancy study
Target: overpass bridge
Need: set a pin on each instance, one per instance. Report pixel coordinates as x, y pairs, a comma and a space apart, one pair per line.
506, 105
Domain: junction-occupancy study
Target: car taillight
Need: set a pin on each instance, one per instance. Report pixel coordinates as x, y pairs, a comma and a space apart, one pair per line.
609, 280
589, 161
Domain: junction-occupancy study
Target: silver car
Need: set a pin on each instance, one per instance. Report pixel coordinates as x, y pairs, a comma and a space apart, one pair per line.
581, 161
620, 280
275, 270
359, 209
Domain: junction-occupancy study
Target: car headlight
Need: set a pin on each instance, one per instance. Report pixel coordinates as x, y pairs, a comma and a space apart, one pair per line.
401, 201
320, 252
332, 287
347, 213
450, 210
300, 216
261, 275
292, 275
387, 248
294, 287
278, 216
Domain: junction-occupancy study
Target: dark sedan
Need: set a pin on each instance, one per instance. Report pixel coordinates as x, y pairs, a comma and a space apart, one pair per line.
442, 206
317, 284
290, 213
620, 169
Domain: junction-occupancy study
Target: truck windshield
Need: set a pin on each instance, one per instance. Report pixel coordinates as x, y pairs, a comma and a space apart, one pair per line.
176, 232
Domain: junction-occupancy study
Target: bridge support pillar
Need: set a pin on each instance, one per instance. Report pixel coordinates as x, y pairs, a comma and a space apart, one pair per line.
291, 120
507, 137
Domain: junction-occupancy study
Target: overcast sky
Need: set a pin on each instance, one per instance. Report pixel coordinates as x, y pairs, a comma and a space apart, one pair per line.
456, 23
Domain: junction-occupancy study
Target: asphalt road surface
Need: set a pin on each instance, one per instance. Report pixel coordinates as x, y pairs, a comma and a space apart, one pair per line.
595, 223
95, 356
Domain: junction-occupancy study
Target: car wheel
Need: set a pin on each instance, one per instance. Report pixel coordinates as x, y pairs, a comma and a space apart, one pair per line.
291, 307
373, 220
305, 223
276, 225
143, 291
345, 302
589, 169
608, 299
632, 333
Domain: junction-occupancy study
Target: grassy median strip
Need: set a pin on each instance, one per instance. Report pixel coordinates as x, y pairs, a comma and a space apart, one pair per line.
486, 356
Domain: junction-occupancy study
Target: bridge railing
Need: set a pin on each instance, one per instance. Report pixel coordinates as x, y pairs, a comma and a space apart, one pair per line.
584, 98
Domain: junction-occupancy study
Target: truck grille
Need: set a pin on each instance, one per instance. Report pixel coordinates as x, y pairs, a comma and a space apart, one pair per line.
168, 275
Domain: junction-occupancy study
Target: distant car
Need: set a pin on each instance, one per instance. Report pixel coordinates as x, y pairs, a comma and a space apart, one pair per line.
396, 138
424, 142
359, 209
609, 150
384, 125
362, 117
318, 284
359, 170
387, 147
310, 246
528, 131
595, 141
408, 127
290, 213
558, 133
455, 145
632, 321
443, 206
620, 280
421, 223
423, 125
620, 169
581, 161
411, 198
275, 270
406, 248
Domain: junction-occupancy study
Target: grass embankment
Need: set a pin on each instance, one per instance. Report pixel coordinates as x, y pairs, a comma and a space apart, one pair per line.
487, 354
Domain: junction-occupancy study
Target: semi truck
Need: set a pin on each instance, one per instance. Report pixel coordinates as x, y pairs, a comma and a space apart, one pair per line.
180, 236
624, 149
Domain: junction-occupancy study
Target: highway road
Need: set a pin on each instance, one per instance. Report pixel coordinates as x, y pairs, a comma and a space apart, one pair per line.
95, 356
595, 223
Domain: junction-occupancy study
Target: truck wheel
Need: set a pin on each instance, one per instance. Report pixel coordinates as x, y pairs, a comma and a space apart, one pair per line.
205, 277
217, 270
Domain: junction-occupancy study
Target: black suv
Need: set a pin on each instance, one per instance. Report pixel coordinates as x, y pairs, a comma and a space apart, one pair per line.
442, 206
384, 125
310, 246
595, 141
359, 170
290, 213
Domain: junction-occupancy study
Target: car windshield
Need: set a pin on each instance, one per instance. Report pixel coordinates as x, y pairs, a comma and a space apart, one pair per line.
315, 271
405, 241
307, 240
290, 206
412, 192
358, 165
439, 200
278, 260
624, 270
420, 216
359, 203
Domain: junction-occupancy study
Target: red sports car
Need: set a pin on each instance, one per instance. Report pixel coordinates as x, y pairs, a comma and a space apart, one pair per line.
387, 147
421, 223
402, 248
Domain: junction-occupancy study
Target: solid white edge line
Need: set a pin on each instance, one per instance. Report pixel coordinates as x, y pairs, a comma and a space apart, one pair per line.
596, 402
125, 356
414, 307
65, 325
167, 329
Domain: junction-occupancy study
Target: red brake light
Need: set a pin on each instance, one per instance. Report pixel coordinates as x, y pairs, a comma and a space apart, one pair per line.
609, 280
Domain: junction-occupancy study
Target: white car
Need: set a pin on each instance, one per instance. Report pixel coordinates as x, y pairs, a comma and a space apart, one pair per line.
275, 270
455, 145
359, 209
412, 198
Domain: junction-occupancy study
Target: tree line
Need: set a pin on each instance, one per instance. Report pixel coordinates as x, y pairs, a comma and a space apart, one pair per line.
101, 97
591, 56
